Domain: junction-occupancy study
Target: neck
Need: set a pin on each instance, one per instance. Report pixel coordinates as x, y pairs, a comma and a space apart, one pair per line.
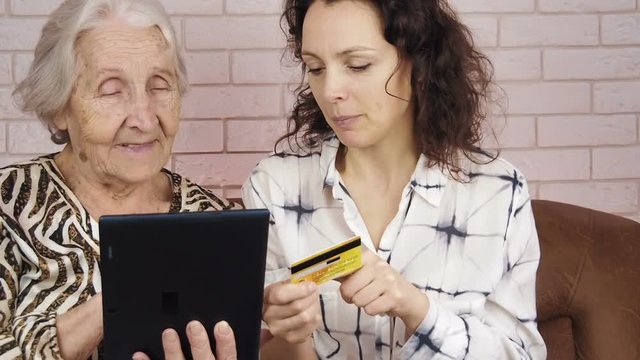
386, 163
104, 195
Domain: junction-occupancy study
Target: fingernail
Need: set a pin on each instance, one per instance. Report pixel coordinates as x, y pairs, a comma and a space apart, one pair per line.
170, 335
224, 328
311, 286
195, 328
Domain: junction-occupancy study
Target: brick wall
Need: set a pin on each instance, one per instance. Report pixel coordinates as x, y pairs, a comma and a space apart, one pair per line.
570, 69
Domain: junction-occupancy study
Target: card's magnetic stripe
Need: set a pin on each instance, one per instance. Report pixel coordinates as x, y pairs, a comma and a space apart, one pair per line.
325, 256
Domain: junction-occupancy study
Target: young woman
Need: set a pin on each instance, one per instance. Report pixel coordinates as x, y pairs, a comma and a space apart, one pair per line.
383, 144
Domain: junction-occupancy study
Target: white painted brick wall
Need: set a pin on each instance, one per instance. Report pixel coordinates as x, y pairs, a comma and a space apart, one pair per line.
587, 130
193, 7
484, 28
592, 64
5, 69
33, 7
26, 137
578, 6
208, 67
549, 30
516, 64
621, 29
20, 34
237, 101
254, 7
493, 6
200, 136
616, 162
553, 164
548, 97
620, 197
511, 132
571, 70
241, 134
261, 67
234, 32
617, 97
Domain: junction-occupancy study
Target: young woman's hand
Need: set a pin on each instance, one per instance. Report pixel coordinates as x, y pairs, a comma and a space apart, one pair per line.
379, 289
292, 311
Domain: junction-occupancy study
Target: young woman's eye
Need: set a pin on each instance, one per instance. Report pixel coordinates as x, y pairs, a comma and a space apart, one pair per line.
314, 71
360, 68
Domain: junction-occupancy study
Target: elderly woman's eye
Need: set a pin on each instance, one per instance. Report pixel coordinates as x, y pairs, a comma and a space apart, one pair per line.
110, 87
113, 93
158, 85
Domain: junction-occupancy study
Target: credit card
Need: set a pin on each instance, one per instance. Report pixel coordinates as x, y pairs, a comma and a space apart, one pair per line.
339, 260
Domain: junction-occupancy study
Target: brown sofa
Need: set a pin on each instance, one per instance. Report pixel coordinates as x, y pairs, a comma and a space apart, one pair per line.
588, 284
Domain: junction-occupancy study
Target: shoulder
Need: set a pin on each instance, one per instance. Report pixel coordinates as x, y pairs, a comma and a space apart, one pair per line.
291, 159
298, 164
288, 172
494, 175
37, 163
25, 172
491, 166
194, 197
25, 185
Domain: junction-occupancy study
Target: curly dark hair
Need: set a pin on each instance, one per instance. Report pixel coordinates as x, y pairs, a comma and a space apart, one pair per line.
450, 79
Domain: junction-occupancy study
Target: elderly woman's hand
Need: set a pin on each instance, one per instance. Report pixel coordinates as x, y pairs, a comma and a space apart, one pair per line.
80, 330
199, 341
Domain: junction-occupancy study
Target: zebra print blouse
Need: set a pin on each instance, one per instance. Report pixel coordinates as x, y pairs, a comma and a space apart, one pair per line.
49, 252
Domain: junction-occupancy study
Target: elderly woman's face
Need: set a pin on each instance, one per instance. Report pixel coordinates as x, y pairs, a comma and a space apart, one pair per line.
124, 111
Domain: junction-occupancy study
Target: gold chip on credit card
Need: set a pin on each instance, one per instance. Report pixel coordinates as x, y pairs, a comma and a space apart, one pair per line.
339, 260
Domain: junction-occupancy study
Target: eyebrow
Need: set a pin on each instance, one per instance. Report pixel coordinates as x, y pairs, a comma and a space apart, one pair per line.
155, 69
164, 71
345, 52
109, 71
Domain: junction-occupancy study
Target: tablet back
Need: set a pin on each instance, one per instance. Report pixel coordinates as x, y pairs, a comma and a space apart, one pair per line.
164, 270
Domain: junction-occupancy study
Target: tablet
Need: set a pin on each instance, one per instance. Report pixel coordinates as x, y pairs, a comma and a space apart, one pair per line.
163, 270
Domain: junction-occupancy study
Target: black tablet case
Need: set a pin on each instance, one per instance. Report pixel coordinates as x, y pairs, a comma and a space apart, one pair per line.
164, 270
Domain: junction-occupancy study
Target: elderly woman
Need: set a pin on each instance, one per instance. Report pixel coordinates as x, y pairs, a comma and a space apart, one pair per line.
108, 81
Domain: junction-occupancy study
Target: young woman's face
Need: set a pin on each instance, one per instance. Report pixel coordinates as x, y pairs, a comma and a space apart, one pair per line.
357, 78
124, 111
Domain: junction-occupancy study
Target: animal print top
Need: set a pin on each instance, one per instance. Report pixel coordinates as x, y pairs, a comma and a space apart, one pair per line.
49, 252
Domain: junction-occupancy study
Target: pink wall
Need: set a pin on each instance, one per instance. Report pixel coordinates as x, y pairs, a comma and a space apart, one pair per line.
571, 70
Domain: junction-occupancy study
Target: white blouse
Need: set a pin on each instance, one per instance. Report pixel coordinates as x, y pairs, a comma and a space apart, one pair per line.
471, 246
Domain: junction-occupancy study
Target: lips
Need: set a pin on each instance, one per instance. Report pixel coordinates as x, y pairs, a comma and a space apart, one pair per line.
345, 121
137, 147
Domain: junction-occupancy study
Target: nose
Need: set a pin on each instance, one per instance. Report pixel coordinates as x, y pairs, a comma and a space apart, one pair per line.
142, 115
335, 86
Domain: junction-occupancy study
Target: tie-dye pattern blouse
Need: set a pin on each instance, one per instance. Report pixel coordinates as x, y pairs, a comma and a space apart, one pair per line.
471, 246
49, 253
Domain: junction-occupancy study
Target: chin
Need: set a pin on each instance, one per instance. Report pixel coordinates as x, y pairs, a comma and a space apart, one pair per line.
353, 140
139, 173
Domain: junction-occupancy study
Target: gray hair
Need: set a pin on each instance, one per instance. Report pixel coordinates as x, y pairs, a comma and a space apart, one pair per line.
47, 88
